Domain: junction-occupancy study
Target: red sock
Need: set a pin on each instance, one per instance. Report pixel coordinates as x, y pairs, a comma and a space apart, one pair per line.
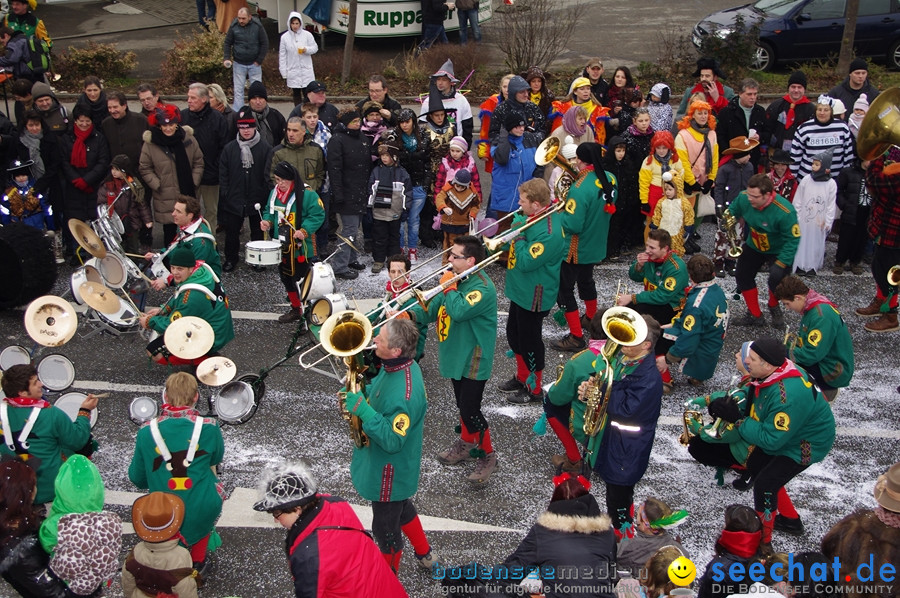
198, 550
416, 535
393, 560
574, 322
521, 369
878, 294
486, 445
568, 441
772, 300
667, 377
894, 301
785, 506
590, 308
294, 298
537, 382
768, 524
467, 436
751, 298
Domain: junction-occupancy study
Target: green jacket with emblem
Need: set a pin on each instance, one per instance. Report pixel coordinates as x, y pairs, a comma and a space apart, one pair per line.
825, 340
565, 392
532, 275
789, 417
52, 435
728, 433
194, 302
585, 220
388, 468
664, 282
699, 330
466, 326
204, 249
309, 218
773, 230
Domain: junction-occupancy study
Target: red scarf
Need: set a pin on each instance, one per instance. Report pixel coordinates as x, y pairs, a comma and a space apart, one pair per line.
789, 117
743, 544
393, 290
283, 197
78, 159
27, 402
813, 299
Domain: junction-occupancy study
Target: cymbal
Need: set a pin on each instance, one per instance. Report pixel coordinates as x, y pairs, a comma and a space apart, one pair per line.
216, 371
51, 321
87, 238
189, 337
100, 297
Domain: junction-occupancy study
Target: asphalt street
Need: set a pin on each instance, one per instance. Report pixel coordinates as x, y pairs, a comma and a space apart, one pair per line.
298, 418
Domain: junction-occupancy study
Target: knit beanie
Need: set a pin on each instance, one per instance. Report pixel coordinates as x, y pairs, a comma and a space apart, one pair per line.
284, 170
122, 162
257, 90
40, 90
858, 64
513, 120
182, 256
770, 349
245, 118
861, 103
797, 78
460, 143
347, 117
569, 149
462, 177
517, 84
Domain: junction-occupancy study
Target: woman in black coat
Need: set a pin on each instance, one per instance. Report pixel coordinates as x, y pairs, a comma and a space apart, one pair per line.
85, 164
38, 143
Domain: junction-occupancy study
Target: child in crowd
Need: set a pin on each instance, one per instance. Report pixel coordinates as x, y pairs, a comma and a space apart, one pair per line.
860, 109
734, 172
674, 213
124, 196
458, 204
457, 158
391, 193
638, 136
662, 158
661, 114
21, 202
854, 201
653, 521
320, 135
815, 203
626, 227
158, 565
373, 125
415, 159
739, 544
781, 175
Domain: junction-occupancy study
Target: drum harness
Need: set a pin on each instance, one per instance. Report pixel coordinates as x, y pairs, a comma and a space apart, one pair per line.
281, 211
216, 295
164, 450
26, 430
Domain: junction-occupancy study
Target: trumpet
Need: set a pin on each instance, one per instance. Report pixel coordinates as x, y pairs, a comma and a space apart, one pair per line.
791, 341
729, 223
689, 417
494, 244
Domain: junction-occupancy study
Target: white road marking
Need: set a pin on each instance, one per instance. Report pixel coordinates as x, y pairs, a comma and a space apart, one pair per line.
92, 385
238, 512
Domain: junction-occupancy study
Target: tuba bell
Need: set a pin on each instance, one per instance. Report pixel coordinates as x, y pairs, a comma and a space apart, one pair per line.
893, 276
549, 152
880, 129
346, 334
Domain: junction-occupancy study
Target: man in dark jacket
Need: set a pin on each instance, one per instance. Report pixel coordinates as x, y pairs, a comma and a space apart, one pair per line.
17, 54
594, 73
328, 112
732, 120
519, 103
784, 115
856, 83
246, 46
54, 114
123, 130
378, 92
349, 163
210, 131
269, 121
433, 13
243, 182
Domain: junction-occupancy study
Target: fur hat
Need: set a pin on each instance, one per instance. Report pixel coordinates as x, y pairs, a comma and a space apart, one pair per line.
770, 349
740, 145
389, 148
708, 63
797, 78
887, 489
157, 516
460, 143
163, 115
257, 90
858, 64
462, 177
861, 103
370, 107
182, 256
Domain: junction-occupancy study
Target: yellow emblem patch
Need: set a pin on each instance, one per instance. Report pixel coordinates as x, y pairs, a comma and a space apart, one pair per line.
175, 315
291, 217
669, 283
795, 230
814, 337
400, 424
473, 297
536, 250
689, 323
782, 421
442, 325
321, 205
570, 206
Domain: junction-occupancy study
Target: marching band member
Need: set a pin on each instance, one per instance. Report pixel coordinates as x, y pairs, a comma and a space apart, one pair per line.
823, 347
790, 423
398, 282
699, 330
177, 453
773, 235
386, 470
294, 222
466, 322
200, 294
590, 204
665, 279
193, 233
532, 284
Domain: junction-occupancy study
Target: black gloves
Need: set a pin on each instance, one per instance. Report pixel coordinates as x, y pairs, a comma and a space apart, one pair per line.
725, 408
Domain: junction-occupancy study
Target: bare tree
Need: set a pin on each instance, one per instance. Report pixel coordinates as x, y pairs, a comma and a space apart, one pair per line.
535, 32
348, 43
848, 38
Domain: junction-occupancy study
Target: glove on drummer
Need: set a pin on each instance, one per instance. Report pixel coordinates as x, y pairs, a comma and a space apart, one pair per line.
358, 406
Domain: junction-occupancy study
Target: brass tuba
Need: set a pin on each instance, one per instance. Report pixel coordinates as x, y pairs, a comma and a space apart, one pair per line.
547, 153
893, 275
880, 129
729, 223
346, 334
624, 327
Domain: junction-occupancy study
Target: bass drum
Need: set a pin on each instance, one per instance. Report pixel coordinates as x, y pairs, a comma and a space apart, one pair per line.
71, 402
319, 282
114, 271
27, 265
87, 273
14, 355
56, 372
237, 401
327, 305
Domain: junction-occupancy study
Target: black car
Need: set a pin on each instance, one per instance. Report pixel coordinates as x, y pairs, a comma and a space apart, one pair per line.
800, 30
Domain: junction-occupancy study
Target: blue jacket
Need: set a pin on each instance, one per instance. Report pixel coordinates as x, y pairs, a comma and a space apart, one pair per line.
513, 165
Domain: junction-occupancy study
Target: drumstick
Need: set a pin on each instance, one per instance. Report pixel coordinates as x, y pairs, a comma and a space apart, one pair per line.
135, 255
256, 206
102, 395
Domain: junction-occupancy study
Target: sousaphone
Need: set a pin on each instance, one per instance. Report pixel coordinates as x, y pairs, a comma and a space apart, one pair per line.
51, 321
880, 129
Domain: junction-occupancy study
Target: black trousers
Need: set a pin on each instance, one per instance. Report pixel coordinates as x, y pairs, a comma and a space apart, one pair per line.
748, 265
662, 314
469, 395
619, 500
853, 238
882, 260
524, 330
385, 239
570, 276
232, 224
387, 520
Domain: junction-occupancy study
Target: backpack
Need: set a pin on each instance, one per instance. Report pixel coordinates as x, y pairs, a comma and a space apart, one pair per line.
38, 60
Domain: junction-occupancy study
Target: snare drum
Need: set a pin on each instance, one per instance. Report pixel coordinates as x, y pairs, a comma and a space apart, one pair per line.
86, 273
113, 271
14, 355
71, 402
263, 253
142, 410
318, 283
327, 305
237, 401
124, 320
56, 372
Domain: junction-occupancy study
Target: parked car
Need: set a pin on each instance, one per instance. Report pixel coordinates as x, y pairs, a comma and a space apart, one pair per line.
802, 30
